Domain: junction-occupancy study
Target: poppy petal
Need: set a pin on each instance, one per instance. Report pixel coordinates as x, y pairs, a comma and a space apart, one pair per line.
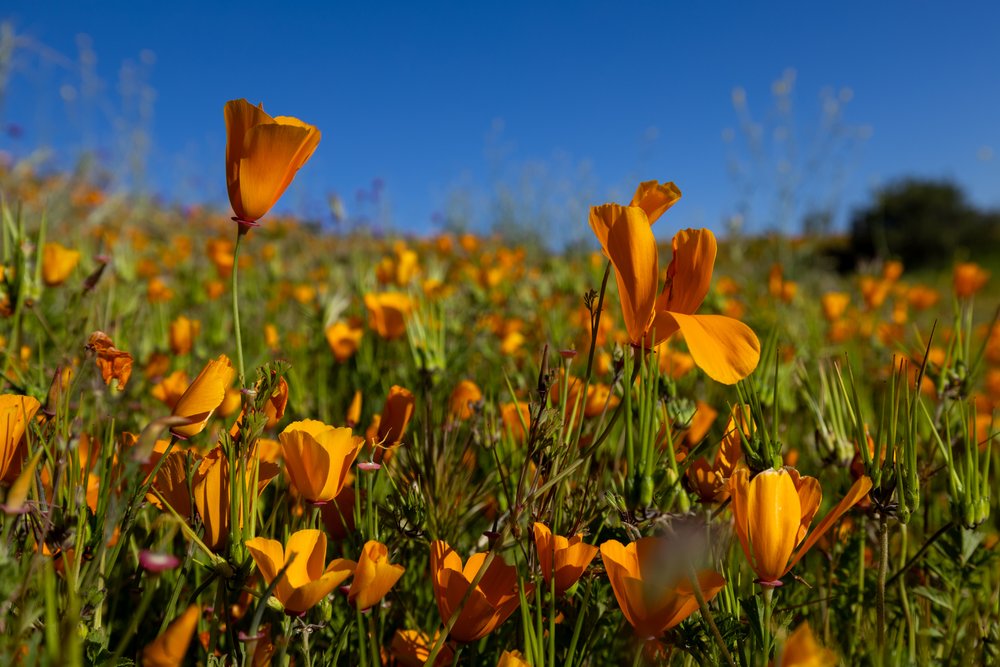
726, 349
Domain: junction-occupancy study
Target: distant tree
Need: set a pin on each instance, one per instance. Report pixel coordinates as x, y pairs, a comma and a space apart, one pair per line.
922, 222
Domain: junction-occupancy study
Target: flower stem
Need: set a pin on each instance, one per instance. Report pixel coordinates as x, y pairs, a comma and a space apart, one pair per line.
706, 614
767, 592
241, 230
883, 568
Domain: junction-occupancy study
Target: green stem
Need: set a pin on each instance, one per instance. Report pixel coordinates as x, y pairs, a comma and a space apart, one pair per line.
706, 614
767, 592
883, 568
240, 232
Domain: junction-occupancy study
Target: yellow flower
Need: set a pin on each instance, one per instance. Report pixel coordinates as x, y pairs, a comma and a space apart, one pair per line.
411, 648
169, 649
374, 576
262, 156
318, 458
652, 602
58, 263
512, 659
204, 396
726, 349
306, 581
772, 513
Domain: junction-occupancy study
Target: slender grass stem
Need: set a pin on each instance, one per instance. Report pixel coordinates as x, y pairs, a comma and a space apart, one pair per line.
241, 231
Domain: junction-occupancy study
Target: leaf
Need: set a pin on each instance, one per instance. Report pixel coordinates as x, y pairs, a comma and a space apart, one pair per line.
937, 597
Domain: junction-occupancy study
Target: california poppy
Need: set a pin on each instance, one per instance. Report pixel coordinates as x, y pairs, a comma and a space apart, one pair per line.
15, 414
203, 396
725, 348
58, 263
969, 278
463, 397
262, 156
412, 648
387, 313
183, 331
374, 576
562, 557
802, 650
344, 338
318, 457
395, 416
652, 598
212, 494
306, 581
169, 649
772, 513
488, 605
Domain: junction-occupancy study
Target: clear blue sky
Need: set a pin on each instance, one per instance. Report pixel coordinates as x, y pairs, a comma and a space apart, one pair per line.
566, 104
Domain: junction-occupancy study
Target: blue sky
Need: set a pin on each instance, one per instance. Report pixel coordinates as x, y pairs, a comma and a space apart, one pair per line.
561, 105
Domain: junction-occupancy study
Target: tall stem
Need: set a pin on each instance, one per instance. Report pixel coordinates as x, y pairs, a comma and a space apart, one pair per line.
768, 594
241, 230
883, 568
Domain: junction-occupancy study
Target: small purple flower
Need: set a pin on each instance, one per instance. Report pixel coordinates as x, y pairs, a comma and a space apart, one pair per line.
157, 562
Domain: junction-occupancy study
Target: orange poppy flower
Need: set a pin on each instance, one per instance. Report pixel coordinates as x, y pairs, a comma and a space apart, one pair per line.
318, 458
465, 394
412, 648
568, 557
354, 410
387, 313
262, 156
512, 659
58, 263
183, 331
169, 649
834, 305
15, 413
374, 576
969, 278
344, 338
488, 605
772, 513
212, 495
203, 396
726, 349
653, 603
395, 416
802, 650
306, 580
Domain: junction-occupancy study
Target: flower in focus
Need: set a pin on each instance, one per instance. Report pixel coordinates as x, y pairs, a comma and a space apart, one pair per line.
306, 581
318, 458
374, 576
772, 513
262, 156
567, 557
653, 598
725, 348
58, 263
488, 605
203, 396
802, 650
169, 649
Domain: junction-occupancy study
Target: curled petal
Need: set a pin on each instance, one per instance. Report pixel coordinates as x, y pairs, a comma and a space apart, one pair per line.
726, 349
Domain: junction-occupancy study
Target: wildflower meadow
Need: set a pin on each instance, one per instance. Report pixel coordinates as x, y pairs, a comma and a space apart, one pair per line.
232, 438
